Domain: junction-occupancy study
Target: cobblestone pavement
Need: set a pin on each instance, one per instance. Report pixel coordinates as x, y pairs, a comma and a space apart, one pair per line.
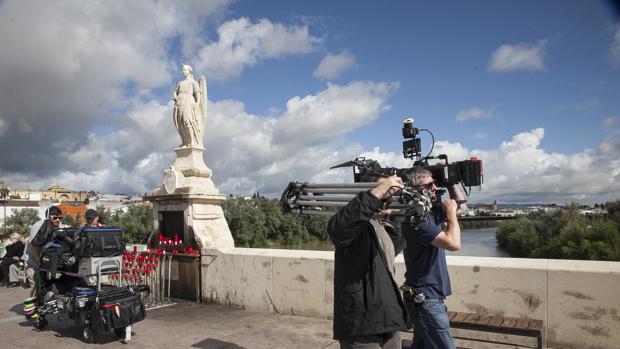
184, 325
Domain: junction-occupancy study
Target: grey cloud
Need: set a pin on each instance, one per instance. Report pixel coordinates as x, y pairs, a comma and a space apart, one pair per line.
67, 71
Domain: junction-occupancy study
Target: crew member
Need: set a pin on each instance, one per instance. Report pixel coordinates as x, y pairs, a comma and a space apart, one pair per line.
37, 239
427, 282
368, 309
92, 218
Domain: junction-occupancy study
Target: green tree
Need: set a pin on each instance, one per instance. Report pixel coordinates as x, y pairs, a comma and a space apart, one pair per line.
613, 210
259, 222
136, 221
105, 215
20, 221
70, 221
563, 234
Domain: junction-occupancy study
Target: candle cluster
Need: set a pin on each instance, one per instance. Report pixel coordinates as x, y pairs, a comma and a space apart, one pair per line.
150, 268
175, 245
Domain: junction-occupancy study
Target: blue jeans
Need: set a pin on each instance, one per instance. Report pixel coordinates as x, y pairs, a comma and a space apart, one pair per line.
431, 326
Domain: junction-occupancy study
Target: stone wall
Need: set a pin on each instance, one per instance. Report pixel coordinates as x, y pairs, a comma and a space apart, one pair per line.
577, 300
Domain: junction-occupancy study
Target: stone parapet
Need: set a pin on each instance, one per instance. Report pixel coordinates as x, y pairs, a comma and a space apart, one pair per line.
577, 300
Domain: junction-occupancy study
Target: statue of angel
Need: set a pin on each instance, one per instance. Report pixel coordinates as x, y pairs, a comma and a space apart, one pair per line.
190, 108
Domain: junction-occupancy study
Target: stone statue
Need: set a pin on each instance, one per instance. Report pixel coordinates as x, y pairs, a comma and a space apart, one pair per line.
190, 108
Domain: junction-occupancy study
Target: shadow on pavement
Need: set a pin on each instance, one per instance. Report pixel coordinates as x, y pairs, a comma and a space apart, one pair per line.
212, 343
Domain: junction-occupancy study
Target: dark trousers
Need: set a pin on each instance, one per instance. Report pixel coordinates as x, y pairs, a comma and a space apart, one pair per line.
4, 270
385, 341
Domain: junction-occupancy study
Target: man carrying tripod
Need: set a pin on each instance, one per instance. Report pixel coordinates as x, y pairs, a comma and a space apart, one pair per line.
368, 309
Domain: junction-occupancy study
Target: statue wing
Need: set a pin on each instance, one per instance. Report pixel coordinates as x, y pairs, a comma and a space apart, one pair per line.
174, 108
203, 101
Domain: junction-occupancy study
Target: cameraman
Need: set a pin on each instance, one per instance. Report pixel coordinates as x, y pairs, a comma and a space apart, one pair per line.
427, 282
368, 309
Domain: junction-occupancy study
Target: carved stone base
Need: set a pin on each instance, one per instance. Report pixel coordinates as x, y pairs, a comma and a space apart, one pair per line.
202, 214
190, 162
188, 174
189, 190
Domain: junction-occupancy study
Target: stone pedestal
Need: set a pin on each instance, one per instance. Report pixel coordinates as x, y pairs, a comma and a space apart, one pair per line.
189, 197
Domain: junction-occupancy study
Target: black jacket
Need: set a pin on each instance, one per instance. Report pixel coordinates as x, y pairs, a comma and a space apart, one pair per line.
13, 250
366, 298
44, 235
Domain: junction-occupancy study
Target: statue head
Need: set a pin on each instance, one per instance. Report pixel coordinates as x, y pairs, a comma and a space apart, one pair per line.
187, 70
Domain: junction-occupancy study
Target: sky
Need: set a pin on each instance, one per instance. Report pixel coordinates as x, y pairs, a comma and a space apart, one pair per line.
294, 87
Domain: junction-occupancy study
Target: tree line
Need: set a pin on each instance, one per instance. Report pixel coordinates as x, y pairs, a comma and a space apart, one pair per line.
563, 233
259, 222
136, 221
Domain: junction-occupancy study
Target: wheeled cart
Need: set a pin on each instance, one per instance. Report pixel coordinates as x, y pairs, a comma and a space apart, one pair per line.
81, 295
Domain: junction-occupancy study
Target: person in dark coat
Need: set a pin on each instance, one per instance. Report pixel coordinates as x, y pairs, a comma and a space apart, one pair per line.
368, 308
14, 251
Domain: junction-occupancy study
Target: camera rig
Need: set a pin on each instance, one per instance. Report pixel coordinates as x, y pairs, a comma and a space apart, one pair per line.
413, 202
467, 172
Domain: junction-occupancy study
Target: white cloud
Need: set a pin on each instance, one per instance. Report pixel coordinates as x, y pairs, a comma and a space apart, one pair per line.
3, 126
519, 170
480, 135
265, 153
333, 112
614, 49
522, 56
242, 44
609, 123
74, 68
333, 65
473, 113
247, 153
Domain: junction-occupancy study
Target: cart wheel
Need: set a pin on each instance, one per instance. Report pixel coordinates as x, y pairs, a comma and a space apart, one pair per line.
120, 332
88, 334
40, 323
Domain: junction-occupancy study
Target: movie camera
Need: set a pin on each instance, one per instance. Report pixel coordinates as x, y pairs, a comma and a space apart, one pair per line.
467, 172
410, 205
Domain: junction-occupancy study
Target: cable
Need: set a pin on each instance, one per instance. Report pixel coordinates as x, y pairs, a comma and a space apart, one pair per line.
432, 144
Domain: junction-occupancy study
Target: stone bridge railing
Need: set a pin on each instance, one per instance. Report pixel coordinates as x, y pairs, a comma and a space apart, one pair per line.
579, 301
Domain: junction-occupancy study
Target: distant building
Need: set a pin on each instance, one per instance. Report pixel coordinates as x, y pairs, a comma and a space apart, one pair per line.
74, 203
74, 209
485, 209
8, 205
56, 193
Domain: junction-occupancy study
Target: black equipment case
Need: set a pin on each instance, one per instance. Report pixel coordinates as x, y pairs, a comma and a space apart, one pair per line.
99, 242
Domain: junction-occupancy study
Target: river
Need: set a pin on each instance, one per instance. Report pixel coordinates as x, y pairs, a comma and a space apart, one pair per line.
474, 242
479, 243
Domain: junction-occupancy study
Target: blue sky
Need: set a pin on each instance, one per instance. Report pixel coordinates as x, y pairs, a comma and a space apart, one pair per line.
531, 87
440, 53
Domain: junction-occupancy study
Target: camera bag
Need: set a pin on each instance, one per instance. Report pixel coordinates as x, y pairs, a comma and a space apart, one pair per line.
117, 308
